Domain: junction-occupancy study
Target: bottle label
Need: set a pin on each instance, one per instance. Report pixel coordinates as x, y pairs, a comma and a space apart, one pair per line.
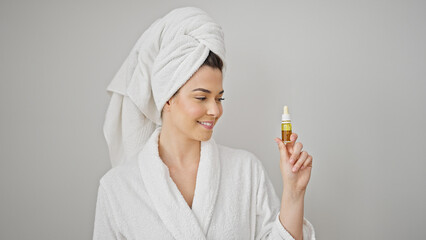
286, 127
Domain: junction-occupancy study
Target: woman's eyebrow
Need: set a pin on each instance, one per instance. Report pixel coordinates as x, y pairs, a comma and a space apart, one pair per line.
206, 90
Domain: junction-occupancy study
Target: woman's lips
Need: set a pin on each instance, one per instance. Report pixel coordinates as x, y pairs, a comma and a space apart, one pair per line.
207, 127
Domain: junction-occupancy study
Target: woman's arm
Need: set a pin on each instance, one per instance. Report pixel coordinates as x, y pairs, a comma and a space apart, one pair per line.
291, 213
295, 166
269, 217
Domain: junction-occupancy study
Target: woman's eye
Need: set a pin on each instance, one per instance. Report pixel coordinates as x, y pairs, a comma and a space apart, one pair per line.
203, 98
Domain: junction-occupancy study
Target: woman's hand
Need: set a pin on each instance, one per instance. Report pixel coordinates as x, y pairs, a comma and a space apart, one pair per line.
295, 165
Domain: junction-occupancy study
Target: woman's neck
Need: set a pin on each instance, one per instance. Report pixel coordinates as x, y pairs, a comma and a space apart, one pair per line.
177, 150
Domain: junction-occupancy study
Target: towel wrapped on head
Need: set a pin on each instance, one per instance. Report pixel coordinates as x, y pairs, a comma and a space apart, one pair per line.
167, 54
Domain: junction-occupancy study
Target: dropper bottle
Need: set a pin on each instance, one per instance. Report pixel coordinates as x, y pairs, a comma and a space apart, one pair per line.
286, 126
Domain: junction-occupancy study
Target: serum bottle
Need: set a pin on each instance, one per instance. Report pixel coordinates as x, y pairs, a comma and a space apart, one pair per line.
286, 126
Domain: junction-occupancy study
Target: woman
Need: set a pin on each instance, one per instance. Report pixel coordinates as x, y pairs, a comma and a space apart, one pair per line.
171, 180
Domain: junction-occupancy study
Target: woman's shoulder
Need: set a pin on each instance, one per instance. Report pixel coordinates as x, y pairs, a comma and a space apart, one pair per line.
123, 174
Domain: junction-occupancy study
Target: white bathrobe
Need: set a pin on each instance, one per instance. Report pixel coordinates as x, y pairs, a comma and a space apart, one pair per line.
233, 199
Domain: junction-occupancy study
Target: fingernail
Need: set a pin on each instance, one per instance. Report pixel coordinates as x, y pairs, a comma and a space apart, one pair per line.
291, 160
294, 169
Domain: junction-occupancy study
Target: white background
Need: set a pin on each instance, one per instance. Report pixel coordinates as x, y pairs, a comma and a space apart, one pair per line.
351, 72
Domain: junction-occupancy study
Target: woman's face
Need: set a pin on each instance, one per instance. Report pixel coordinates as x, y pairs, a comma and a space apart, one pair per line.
197, 104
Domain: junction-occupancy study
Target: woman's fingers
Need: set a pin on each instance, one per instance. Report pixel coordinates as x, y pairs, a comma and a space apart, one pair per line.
297, 149
307, 163
289, 145
293, 137
282, 147
302, 159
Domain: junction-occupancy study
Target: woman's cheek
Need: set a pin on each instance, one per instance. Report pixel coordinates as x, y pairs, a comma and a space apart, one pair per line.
194, 110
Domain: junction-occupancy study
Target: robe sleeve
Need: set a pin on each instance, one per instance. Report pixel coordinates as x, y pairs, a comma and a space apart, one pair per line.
268, 224
105, 227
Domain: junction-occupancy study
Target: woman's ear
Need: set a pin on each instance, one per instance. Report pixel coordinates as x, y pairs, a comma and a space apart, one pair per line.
168, 105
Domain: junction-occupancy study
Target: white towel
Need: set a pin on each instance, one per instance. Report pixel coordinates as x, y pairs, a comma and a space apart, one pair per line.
167, 54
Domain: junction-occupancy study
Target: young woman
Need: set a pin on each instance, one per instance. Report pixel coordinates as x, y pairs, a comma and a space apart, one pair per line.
171, 180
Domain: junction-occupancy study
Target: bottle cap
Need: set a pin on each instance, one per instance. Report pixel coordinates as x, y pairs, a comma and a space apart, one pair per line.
286, 115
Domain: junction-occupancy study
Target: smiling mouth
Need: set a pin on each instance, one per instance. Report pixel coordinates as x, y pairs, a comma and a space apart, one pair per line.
208, 125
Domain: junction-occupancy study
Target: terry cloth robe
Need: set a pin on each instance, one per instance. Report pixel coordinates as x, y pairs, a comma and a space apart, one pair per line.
233, 199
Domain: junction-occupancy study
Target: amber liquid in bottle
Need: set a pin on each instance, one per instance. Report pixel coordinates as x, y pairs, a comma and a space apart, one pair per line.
286, 131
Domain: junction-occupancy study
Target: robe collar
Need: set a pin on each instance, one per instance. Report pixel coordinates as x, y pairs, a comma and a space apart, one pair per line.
182, 221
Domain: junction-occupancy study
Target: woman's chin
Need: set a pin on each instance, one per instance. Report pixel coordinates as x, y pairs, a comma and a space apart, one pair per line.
204, 136
206, 139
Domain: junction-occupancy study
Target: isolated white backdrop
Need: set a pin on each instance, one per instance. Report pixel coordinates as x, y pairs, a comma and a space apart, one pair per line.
351, 72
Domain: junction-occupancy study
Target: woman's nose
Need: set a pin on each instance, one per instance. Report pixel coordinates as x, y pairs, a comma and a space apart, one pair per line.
213, 109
